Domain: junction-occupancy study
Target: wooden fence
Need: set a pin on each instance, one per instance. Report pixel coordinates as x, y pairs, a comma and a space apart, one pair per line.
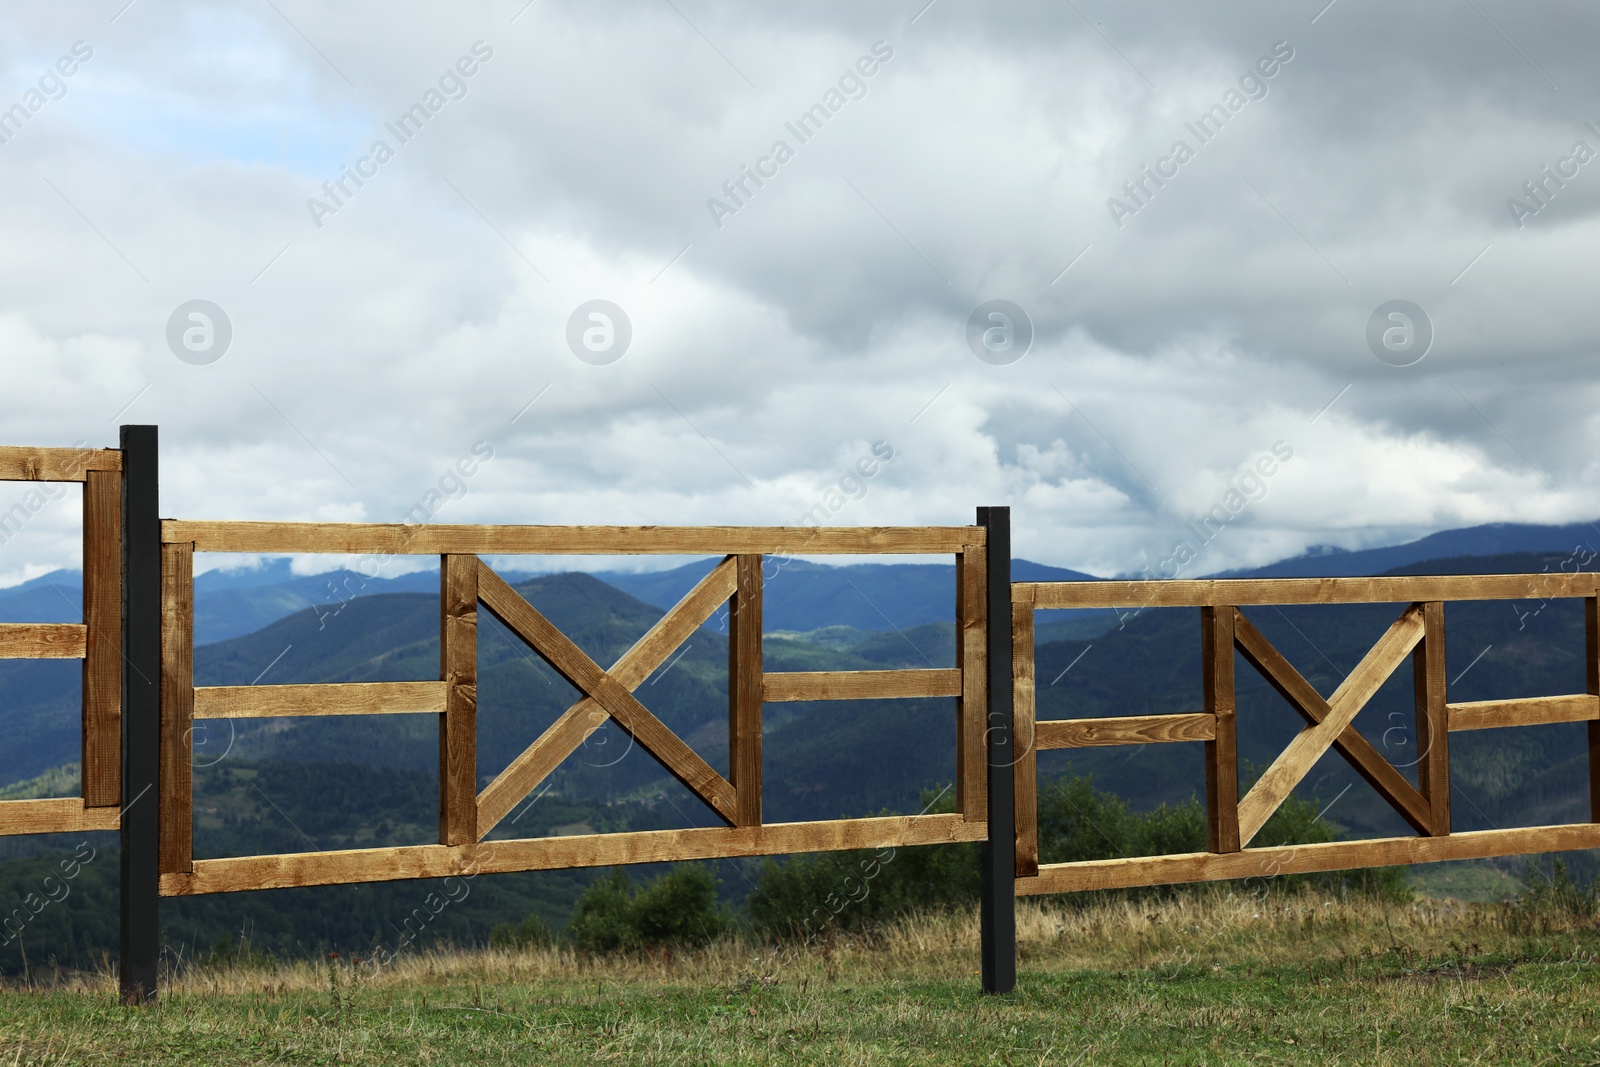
1233, 821
140, 703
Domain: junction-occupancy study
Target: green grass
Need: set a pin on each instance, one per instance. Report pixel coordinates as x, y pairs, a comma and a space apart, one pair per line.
1212, 978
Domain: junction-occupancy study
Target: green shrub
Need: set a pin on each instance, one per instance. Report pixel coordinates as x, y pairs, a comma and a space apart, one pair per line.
675, 909
532, 932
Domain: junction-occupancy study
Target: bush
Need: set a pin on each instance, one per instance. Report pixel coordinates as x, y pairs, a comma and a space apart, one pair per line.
675, 909
532, 932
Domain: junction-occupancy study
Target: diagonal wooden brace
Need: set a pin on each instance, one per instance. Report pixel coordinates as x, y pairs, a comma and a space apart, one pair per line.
1296, 761
608, 695
1367, 761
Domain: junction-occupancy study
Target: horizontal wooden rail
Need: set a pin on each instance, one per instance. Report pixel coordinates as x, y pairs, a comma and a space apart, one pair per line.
55, 464
41, 640
1528, 711
1124, 730
363, 698
1306, 859
548, 853
1247, 591
65, 815
860, 685
430, 539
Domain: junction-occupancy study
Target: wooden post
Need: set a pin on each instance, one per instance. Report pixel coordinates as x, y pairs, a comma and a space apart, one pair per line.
102, 617
744, 692
140, 625
1026, 789
997, 906
972, 707
1222, 753
1591, 644
458, 726
177, 708
1433, 728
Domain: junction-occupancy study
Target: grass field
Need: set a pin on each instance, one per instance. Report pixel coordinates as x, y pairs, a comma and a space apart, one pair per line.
1212, 978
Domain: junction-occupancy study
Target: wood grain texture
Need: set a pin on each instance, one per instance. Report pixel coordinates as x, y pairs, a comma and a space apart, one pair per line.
861, 685
1367, 761
102, 618
569, 661
43, 640
1025, 772
1247, 591
1433, 720
574, 726
1297, 759
972, 710
1591, 650
351, 698
552, 853
55, 464
177, 708
53, 816
1222, 750
442, 539
458, 724
1307, 859
746, 686
1124, 730
1523, 711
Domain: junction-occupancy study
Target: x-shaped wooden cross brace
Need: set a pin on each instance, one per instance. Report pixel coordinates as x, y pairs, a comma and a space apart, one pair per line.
1329, 723
608, 695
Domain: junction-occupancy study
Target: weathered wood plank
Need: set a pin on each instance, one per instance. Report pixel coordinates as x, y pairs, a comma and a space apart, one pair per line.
1591, 648
1433, 720
55, 464
442, 539
102, 618
43, 640
345, 698
1307, 859
1523, 711
1222, 751
1367, 761
458, 723
1025, 772
55, 816
177, 708
1247, 591
861, 685
1124, 730
972, 709
574, 726
568, 660
1296, 760
550, 853
746, 686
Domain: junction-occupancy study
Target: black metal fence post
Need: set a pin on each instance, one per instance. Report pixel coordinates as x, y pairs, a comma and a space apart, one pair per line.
997, 900
141, 714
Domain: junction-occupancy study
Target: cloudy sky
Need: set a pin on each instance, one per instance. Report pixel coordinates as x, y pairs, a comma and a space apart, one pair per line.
1355, 154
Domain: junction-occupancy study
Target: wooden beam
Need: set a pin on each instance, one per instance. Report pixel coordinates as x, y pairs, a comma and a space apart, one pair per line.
1124, 730
55, 464
102, 618
349, 698
1433, 721
1307, 859
569, 661
1523, 711
43, 640
1591, 656
458, 723
553, 853
1368, 762
861, 685
746, 690
177, 708
1247, 591
574, 726
442, 539
972, 709
1222, 750
1025, 777
55, 816
1296, 761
